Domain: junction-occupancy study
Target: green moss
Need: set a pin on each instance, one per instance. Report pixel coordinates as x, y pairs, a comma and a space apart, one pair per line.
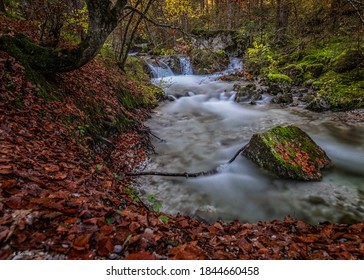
348, 60
38, 58
295, 72
279, 78
342, 91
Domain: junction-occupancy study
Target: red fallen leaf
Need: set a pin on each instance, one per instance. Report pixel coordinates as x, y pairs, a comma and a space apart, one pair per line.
71, 220
107, 184
141, 256
361, 248
218, 226
184, 223
263, 251
107, 229
245, 245
62, 229
134, 226
39, 236
21, 237
6, 169
14, 202
188, 251
51, 168
212, 229
105, 246
60, 176
8, 183
4, 231
81, 242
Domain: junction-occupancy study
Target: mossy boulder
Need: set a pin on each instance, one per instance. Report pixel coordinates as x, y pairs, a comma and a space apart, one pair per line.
348, 61
207, 62
295, 72
278, 83
316, 69
288, 152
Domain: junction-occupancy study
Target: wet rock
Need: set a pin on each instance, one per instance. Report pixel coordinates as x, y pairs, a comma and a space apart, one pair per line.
288, 152
277, 84
247, 93
318, 104
283, 98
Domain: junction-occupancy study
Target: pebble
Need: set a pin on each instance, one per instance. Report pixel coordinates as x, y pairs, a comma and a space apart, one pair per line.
118, 249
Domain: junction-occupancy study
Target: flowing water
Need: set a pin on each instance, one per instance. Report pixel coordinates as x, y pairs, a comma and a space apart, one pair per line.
204, 129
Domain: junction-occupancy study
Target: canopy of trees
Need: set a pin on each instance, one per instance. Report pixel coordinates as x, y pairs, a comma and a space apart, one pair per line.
163, 23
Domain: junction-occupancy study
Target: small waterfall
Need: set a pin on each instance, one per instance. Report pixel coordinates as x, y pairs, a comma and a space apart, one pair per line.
159, 69
186, 66
235, 64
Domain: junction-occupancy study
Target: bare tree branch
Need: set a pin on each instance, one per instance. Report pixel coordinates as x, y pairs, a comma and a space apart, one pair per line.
144, 16
186, 174
357, 9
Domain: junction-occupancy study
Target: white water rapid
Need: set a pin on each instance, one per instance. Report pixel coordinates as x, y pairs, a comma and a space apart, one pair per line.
204, 128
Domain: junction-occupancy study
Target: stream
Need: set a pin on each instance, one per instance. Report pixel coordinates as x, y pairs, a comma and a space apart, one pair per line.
203, 128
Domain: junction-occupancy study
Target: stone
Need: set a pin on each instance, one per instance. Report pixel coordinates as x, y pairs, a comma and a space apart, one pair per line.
288, 152
247, 93
286, 98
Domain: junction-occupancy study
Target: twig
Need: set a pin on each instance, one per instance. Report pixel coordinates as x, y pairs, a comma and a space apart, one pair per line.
186, 174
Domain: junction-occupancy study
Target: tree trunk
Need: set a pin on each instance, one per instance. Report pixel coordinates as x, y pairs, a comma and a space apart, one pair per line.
2, 7
282, 16
103, 18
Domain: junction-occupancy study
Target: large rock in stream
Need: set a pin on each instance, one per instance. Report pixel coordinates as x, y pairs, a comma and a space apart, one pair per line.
288, 152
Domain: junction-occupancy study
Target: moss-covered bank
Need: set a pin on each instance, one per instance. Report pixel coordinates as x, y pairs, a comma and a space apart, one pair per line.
332, 69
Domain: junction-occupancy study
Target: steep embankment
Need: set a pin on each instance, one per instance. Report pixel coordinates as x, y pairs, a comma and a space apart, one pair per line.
67, 139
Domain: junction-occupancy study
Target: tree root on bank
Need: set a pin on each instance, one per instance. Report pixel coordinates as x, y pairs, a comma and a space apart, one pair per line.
186, 174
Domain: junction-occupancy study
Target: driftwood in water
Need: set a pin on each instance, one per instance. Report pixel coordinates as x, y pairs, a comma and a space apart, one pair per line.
186, 174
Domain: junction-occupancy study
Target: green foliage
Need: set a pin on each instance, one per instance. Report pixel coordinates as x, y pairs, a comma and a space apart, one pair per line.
156, 206
259, 59
164, 219
132, 193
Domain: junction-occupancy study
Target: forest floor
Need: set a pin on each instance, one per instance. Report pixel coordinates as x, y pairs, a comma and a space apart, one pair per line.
64, 198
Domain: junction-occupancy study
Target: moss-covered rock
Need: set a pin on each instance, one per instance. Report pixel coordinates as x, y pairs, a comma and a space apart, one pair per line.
207, 62
348, 61
288, 152
277, 83
295, 72
316, 69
